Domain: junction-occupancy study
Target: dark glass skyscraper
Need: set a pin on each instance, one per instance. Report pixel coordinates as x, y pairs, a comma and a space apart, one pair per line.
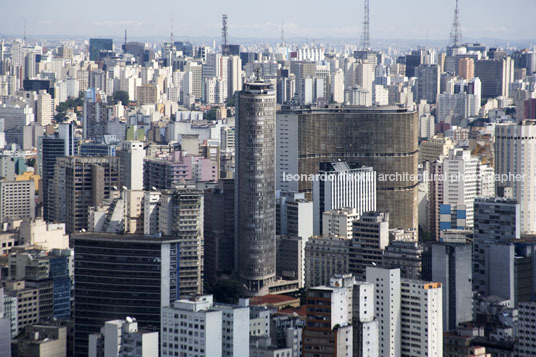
255, 185
96, 45
121, 275
51, 147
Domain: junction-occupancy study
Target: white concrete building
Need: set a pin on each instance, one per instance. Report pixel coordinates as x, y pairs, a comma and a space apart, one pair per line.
422, 318
295, 215
45, 111
329, 324
337, 86
286, 151
340, 186
120, 338
151, 200
191, 327
339, 222
514, 155
259, 321
46, 235
361, 310
426, 126
132, 155
235, 328
460, 186
380, 95
387, 286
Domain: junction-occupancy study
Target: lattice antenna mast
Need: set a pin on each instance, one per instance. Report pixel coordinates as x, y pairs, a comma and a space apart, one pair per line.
171, 31
224, 30
282, 36
456, 32
365, 32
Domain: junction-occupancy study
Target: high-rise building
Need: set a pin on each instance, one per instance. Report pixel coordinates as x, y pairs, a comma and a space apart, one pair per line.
383, 138
95, 114
17, 200
131, 158
294, 215
460, 170
422, 318
290, 264
325, 257
370, 237
466, 68
514, 144
180, 214
121, 275
220, 330
495, 75
5, 322
45, 108
451, 265
255, 185
496, 220
199, 319
328, 330
146, 94
405, 254
525, 346
235, 328
339, 222
427, 82
409, 313
529, 109
234, 77
117, 337
219, 230
81, 182
434, 148
387, 302
96, 45
339, 186
361, 313
62, 144
287, 151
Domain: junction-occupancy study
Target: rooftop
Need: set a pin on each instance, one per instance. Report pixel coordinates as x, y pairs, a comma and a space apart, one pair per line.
124, 237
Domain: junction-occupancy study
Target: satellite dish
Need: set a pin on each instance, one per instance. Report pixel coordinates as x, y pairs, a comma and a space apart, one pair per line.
82, 230
129, 319
124, 188
373, 263
153, 188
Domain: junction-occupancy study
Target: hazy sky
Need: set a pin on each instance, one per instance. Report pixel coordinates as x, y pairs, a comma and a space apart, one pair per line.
409, 19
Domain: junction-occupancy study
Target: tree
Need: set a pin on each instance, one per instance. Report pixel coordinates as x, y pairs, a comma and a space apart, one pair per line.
120, 96
227, 291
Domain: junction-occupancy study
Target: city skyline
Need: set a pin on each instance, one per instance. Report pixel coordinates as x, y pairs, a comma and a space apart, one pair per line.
417, 19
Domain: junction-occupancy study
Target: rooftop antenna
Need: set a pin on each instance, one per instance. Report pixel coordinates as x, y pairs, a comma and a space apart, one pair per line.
224, 46
171, 32
456, 31
365, 32
258, 73
125, 47
24, 37
282, 36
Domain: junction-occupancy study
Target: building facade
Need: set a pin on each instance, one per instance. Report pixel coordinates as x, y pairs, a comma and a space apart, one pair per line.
255, 185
